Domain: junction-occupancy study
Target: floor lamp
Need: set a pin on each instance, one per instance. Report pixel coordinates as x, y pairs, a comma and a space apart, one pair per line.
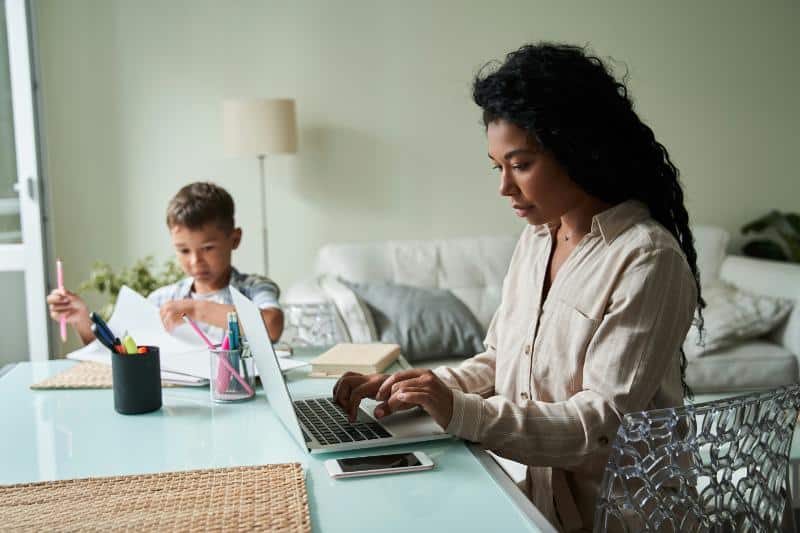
260, 127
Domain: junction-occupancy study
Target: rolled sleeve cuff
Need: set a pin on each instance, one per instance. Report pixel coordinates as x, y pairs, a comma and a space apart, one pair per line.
467, 416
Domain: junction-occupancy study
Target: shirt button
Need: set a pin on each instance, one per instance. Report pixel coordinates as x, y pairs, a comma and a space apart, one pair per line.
527, 349
524, 395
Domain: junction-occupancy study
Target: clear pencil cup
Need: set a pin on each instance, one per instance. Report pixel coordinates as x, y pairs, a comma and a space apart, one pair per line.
232, 375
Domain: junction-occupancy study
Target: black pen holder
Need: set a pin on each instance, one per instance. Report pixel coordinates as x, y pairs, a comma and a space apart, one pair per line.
137, 381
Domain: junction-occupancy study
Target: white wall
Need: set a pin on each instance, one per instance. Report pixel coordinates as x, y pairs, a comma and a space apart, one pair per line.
390, 143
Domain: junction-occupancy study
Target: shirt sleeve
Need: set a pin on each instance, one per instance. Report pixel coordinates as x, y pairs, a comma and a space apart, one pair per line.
636, 343
263, 292
476, 374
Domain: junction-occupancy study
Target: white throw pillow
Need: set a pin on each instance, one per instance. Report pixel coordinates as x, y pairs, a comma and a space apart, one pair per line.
353, 311
733, 315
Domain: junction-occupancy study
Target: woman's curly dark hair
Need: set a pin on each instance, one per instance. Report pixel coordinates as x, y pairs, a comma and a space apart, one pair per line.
578, 111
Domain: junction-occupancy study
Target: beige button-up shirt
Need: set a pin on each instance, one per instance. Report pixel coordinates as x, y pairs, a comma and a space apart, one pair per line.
557, 375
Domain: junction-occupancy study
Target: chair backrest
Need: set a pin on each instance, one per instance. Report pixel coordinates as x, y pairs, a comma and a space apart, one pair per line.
719, 465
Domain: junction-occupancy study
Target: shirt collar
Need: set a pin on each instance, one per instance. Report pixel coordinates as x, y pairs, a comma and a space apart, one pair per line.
615, 220
185, 285
543, 230
609, 223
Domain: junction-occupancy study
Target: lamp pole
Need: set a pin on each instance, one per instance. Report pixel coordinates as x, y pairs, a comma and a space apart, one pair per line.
264, 237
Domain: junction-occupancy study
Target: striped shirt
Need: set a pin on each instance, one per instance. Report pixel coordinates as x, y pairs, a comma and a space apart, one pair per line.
557, 375
261, 290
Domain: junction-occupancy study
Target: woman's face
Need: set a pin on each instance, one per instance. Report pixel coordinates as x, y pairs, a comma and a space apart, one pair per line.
537, 185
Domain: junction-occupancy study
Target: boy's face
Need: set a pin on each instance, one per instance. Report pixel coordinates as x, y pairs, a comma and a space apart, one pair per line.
205, 253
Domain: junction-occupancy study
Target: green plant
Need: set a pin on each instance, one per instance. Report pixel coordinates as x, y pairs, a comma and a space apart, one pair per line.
786, 226
141, 277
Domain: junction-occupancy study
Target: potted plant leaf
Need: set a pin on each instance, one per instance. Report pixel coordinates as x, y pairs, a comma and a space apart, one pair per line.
785, 226
141, 277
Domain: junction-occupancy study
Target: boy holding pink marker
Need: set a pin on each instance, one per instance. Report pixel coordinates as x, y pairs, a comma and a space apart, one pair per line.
201, 225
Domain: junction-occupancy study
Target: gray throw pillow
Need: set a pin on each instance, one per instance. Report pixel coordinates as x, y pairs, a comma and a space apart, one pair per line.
426, 323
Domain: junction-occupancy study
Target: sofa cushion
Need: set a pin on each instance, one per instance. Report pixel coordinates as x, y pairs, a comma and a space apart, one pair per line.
733, 315
426, 323
472, 268
758, 364
353, 311
772, 278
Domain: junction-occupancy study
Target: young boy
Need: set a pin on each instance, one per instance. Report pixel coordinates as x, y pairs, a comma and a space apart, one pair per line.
201, 225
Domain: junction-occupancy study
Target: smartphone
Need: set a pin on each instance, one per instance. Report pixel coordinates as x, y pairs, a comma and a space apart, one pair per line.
378, 464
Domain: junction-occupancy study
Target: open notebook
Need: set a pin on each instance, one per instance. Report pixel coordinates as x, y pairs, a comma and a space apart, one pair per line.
183, 356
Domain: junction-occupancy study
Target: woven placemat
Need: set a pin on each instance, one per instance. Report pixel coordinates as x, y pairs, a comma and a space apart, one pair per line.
84, 375
255, 498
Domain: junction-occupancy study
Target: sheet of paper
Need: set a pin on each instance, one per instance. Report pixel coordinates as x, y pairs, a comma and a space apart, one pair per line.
180, 351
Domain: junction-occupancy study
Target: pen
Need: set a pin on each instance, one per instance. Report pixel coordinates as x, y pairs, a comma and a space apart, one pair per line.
233, 335
101, 324
60, 276
100, 336
233, 327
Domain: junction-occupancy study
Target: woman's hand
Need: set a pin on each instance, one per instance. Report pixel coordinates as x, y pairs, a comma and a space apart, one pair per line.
352, 387
408, 388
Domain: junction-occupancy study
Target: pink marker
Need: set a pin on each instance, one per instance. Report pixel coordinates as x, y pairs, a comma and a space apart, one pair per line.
198, 331
224, 360
223, 376
60, 276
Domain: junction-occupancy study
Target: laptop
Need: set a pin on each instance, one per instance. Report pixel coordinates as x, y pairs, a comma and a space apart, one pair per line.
317, 423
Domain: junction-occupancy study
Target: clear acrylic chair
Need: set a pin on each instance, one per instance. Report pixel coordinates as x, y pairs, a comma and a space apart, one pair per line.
715, 466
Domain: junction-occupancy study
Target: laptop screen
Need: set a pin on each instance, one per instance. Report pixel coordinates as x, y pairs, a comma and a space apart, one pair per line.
267, 364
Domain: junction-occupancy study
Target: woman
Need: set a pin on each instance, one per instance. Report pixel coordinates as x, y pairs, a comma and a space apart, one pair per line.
600, 292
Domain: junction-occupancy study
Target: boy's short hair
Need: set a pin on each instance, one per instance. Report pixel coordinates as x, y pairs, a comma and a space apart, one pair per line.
199, 203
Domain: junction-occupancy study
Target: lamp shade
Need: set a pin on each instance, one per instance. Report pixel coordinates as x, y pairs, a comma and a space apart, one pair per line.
259, 127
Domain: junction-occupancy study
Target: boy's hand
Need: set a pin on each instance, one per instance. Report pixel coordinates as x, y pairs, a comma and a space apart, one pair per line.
62, 302
172, 312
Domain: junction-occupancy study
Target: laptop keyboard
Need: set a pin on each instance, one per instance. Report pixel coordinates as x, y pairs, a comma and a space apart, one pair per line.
328, 423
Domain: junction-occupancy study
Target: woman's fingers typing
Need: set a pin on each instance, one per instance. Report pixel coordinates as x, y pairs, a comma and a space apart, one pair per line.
360, 392
351, 388
341, 391
392, 404
337, 386
427, 391
402, 390
386, 388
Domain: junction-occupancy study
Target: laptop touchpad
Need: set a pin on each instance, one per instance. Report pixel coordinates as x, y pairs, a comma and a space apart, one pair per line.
409, 423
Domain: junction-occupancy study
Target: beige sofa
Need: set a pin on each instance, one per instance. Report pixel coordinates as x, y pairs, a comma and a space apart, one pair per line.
474, 268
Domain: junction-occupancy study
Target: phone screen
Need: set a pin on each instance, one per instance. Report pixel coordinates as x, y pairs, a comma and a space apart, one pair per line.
378, 462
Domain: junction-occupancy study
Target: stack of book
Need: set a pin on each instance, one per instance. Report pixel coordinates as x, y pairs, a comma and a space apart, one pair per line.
361, 358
